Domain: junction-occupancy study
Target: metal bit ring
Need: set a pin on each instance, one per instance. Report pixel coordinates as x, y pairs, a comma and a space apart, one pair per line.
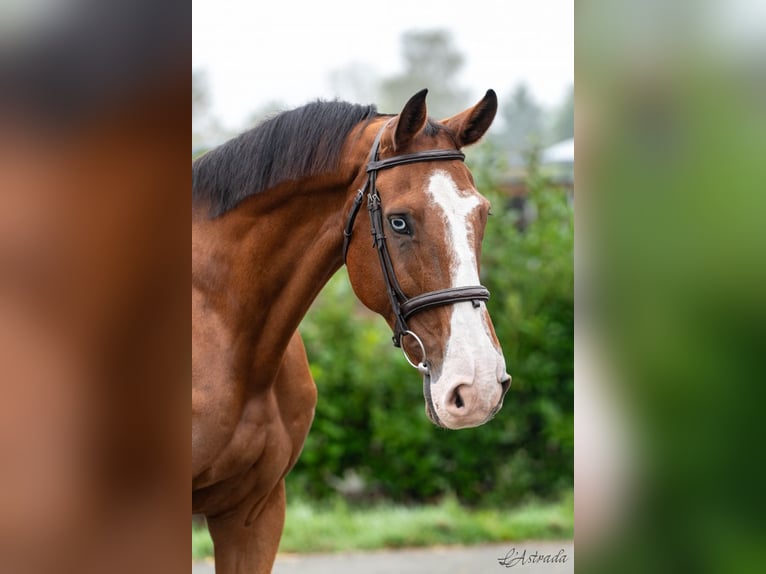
422, 366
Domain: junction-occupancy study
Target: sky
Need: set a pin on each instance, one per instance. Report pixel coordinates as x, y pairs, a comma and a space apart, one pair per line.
254, 53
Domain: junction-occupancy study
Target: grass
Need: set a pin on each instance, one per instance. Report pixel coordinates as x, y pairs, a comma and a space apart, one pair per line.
338, 527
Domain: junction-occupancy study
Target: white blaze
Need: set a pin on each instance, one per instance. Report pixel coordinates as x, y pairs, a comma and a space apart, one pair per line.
471, 356
456, 208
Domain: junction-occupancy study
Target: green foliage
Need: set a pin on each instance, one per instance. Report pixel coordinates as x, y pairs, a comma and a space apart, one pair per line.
531, 276
202, 544
370, 422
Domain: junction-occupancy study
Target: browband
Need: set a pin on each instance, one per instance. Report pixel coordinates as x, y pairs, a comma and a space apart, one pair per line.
430, 155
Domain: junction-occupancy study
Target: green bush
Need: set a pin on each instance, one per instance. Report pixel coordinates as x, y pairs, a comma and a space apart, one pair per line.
370, 420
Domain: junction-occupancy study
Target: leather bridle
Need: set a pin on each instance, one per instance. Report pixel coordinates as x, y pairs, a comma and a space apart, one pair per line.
403, 306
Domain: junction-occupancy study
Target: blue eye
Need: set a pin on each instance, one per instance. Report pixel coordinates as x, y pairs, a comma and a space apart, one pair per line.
399, 224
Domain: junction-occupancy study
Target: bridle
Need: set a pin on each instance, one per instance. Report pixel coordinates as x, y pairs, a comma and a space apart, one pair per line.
403, 306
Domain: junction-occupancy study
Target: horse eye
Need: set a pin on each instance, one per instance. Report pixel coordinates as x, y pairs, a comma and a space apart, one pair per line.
399, 224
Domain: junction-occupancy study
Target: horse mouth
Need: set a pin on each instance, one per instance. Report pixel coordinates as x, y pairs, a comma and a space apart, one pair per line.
430, 408
506, 384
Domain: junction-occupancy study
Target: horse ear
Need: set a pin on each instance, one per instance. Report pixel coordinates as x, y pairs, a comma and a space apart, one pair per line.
411, 120
469, 125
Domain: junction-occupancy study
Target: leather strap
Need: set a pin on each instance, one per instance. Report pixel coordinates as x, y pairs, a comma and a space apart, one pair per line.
349, 229
429, 155
443, 297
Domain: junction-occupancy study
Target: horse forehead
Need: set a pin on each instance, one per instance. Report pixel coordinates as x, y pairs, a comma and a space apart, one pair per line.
456, 203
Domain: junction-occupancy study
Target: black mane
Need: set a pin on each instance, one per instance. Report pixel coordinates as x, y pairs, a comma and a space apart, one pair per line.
299, 143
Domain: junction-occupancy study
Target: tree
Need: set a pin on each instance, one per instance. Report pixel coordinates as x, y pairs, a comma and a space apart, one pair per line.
355, 82
433, 62
563, 124
523, 119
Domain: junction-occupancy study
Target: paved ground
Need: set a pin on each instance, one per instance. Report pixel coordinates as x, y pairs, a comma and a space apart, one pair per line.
442, 560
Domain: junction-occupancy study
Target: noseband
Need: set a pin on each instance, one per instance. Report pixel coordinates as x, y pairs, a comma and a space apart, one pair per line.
404, 307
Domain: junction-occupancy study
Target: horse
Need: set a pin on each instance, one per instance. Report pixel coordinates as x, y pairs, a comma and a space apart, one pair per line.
274, 216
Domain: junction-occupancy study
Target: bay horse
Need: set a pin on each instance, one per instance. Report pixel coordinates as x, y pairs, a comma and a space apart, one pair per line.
274, 216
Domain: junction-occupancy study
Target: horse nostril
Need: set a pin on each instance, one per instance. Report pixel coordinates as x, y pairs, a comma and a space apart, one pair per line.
459, 403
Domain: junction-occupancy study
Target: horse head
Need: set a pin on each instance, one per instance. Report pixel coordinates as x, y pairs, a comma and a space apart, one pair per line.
428, 219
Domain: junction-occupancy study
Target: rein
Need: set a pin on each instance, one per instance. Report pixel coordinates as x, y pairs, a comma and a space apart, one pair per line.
403, 306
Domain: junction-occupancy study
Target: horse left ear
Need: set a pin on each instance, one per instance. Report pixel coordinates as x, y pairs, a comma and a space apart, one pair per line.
411, 119
470, 125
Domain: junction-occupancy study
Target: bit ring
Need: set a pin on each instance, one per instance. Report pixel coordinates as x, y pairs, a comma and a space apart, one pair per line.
422, 366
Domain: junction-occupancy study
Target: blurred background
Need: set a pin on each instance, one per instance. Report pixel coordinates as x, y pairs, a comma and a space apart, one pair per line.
371, 446
671, 320
251, 60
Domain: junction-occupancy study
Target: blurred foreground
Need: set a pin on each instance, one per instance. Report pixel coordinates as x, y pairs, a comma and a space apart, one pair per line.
93, 284
671, 313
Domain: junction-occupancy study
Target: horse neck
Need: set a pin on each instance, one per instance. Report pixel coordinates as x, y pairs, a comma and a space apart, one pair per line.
261, 266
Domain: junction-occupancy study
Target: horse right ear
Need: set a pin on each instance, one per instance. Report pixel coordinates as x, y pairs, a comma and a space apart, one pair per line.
411, 120
469, 126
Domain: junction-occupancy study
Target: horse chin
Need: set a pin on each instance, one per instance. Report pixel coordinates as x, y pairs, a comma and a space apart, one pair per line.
450, 423
434, 419
461, 424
